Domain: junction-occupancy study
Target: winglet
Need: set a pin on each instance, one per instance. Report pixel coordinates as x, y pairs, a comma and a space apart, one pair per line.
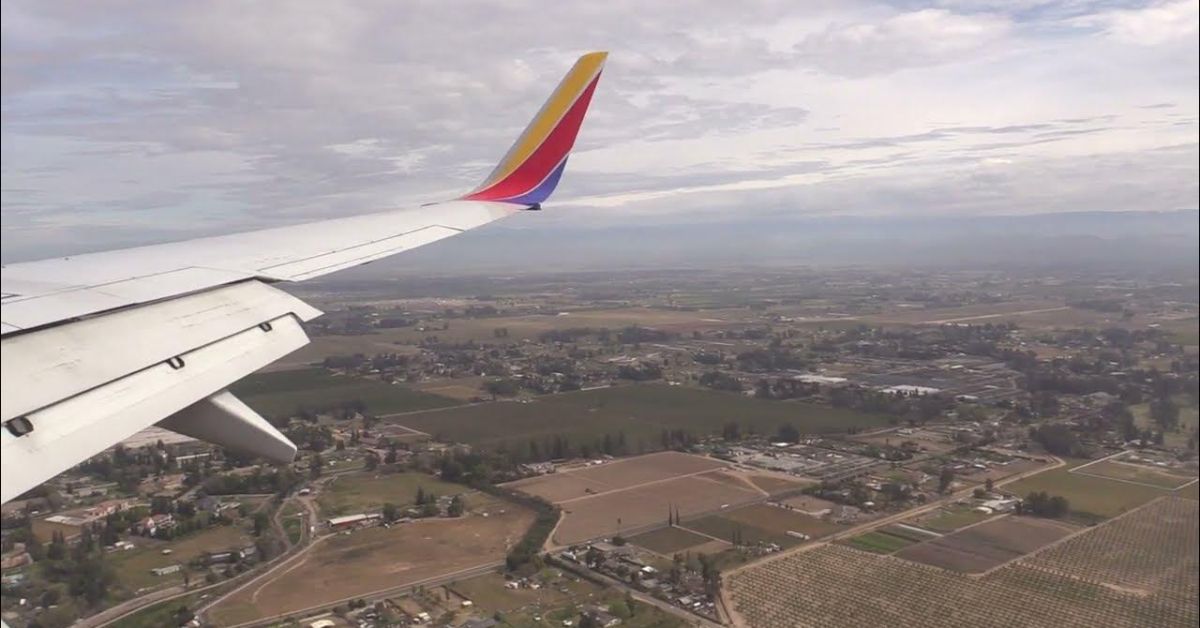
531, 169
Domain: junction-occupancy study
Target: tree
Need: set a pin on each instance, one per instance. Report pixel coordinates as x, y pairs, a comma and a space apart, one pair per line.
261, 523
1057, 439
989, 485
945, 479
315, 465
788, 433
390, 512
1165, 413
372, 461
457, 507
420, 499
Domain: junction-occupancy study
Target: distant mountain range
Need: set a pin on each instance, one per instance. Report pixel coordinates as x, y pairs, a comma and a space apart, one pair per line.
1105, 239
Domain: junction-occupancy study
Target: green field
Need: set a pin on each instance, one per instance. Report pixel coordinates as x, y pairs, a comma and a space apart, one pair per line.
879, 542
1138, 473
953, 517
640, 412
133, 566
1092, 498
367, 492
284, 393
1189, 419
668, 541
293, 521
762, 523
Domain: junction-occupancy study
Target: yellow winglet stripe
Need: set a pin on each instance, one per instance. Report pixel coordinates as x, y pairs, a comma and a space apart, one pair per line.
556, 107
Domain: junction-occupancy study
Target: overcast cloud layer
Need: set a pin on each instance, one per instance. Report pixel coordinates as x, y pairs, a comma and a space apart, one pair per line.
124, 122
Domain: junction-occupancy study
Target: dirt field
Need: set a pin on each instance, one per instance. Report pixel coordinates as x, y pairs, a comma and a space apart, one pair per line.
379, 558
610, 513
603, 500
619, 474
368, 492
668, 541
987, 545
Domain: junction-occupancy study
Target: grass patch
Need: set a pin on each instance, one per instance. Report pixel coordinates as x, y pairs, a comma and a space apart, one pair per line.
133, 566
879, 542
952, 518
761, 523
668, 541
293, 521
640, 412
1091, 498
284, 393
1137, 473
354, 493
1189, 419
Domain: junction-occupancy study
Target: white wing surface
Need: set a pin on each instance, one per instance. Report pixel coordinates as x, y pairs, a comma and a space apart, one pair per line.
96, 347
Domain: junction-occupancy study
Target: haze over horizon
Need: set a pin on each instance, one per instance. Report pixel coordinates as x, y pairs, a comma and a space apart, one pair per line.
168, 120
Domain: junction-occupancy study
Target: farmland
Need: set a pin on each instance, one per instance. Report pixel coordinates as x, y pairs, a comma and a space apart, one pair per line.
1120, 470
1138, 570
635, 493
1152, 551
950, 518
641, 506
640, 412
1091, 498
987, 545
879, 542
620, 474
377, 558
365, 492
762, 523
1189, 417
133, 566
284, 393
668, 541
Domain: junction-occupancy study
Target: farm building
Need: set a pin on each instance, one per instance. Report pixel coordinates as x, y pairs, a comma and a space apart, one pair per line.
354, 521
165, 571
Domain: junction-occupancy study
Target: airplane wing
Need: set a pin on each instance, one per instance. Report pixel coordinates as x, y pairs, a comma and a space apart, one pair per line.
96, 347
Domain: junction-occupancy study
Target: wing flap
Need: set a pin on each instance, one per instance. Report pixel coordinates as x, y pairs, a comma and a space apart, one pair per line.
44, 367
86, 424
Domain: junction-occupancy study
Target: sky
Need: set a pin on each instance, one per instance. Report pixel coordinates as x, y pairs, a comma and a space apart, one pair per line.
131, 122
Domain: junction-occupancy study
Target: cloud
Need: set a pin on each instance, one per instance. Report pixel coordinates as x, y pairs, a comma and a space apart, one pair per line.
202, 117
1157, 23
912, 39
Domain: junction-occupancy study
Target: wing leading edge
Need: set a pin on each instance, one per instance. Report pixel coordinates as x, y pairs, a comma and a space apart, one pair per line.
99, 346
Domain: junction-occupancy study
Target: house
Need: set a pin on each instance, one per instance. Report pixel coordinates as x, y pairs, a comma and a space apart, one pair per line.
15, 559
153, 524
349, 522
601, 616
